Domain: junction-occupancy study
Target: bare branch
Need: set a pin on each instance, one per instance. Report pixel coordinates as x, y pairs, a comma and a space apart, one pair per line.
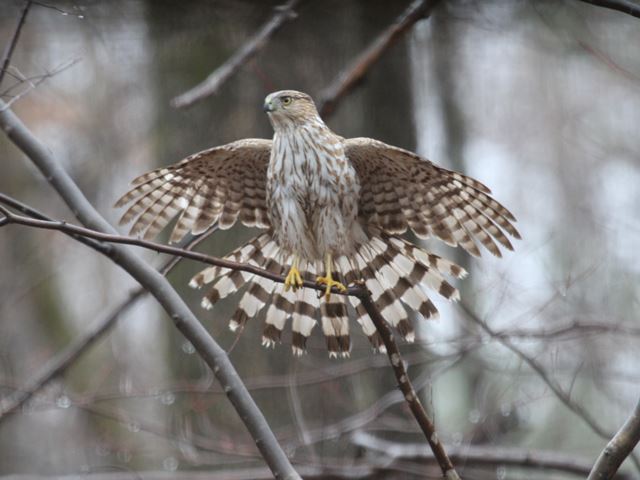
159, 287
351, 76
558, 391
625, 6
619, 448
14, 40
479, 455
221, 74
33, 83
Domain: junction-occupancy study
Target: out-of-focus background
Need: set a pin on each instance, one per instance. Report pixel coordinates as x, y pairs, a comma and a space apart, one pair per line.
540, 100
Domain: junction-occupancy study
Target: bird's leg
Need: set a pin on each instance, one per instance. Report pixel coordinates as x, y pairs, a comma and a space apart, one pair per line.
328, 280
293, 279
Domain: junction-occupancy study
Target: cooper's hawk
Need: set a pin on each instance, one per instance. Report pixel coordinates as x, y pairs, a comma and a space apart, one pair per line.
333, 210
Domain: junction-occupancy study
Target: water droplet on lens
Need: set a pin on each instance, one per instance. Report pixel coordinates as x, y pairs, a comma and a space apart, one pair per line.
124, 456
501, 472
63, 401
170, 464
474, 416
188, 348
167, 398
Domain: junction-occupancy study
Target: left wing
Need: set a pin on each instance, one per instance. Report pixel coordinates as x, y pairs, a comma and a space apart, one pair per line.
401, 190
223, 184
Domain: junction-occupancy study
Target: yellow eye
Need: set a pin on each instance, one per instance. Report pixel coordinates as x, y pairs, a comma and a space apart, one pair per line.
286, 101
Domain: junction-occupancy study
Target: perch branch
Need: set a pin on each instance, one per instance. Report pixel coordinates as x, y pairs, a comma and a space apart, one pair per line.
221, 74
619, 448
215, 357
361, 293
352, 75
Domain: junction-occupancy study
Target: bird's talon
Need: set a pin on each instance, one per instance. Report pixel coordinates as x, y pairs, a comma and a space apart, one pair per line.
330, 283
293, 279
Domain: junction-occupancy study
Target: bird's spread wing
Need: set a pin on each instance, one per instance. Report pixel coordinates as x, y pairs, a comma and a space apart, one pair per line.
401, 190
223, 184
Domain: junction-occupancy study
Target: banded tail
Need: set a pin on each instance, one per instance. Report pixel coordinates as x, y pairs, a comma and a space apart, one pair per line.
398, 274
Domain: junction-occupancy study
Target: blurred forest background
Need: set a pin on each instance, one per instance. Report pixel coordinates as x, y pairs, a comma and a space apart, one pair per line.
540, 100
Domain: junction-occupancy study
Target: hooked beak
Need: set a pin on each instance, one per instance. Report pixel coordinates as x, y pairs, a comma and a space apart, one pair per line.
267, 107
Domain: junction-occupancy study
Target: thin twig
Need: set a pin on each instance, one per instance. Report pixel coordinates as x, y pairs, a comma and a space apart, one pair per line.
558, 391
221, 74
161, 289
619, 448
624, 6
351, 76
14, 40
32, 85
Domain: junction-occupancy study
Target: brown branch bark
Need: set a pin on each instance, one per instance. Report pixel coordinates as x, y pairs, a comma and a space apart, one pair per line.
420, 414
353, 74
221, 74
619, 448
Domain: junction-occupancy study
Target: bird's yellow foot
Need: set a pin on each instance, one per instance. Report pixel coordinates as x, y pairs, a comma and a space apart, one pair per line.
330, 283
293, 279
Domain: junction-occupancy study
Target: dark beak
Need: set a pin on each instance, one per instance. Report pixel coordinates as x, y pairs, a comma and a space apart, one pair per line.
267, 107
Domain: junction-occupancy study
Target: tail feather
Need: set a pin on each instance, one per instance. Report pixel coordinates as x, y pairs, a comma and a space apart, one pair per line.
335, 326
252, 302
398, 274
278, 312
303, 319
383, 294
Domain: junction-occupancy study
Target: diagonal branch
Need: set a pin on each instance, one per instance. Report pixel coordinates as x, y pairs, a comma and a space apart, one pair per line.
221, 74
6, 61
625, 6
619, 448
215, 357
353, 74
426, 424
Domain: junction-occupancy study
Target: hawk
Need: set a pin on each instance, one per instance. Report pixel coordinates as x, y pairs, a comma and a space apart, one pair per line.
333, 211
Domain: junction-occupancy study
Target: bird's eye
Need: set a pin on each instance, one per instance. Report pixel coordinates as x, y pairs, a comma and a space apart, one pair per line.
286, 101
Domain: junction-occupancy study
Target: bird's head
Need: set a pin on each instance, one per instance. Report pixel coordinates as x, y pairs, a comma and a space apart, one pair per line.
288, 108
